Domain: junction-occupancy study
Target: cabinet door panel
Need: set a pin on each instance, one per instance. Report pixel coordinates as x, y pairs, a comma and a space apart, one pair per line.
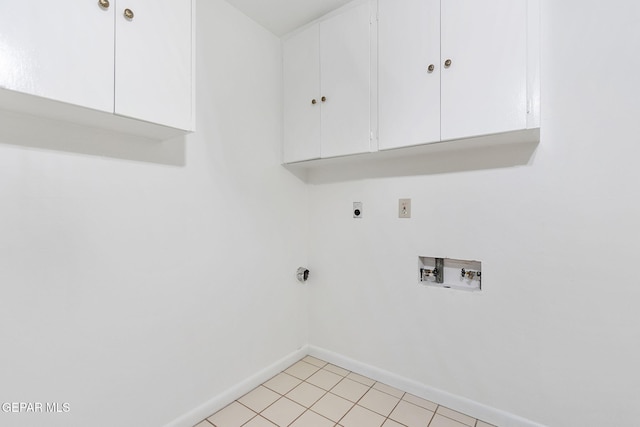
345, 58
409, 95
301, 67
484, 90
61, 51
153, 75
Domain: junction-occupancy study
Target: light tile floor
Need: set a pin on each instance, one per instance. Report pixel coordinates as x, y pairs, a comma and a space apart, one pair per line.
314, 393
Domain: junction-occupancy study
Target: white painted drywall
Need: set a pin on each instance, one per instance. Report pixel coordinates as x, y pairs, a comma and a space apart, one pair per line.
139, 280
554, 335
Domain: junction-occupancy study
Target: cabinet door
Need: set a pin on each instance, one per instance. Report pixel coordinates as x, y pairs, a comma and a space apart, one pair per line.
409, 94
484, 90
61, 50
301, 67
345, 81
153, 70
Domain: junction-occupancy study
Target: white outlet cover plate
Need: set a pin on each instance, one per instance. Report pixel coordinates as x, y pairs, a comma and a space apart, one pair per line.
404, 208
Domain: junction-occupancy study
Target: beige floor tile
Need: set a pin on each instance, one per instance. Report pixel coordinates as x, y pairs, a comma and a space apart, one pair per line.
324, 379
454, 415
388, 389
233, 415
391, 423
204, 423
283, 412
337, 370
411, 415
311, 419
426, 404
483, 424
350, 390
332, 406
282, 383
442, 421
259, 398
302, 370
306, 394
315, 361
361, 379
259, 422
379, 402
361, 417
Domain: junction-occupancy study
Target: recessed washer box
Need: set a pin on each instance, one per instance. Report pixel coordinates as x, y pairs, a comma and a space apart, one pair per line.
450, 273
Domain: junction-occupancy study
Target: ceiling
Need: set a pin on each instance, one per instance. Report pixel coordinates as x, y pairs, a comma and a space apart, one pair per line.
283, 16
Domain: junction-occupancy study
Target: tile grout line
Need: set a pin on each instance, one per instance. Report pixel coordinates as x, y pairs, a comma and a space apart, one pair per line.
394, 408
334, 386
356, 402
453, 419
433, 415
301, 381
306, 408
256, 413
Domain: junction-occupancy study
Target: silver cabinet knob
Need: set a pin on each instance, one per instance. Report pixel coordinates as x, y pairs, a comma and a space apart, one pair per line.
128, 13
103, 4
431, 68
314, 102
447, 63
323, 99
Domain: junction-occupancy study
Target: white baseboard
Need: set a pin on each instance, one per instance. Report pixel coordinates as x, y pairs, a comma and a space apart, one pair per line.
477, 410
220, 401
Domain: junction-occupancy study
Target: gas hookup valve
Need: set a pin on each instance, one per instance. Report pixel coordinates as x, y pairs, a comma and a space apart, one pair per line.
303, 274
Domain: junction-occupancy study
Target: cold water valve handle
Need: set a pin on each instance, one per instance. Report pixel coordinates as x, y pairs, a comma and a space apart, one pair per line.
470, 274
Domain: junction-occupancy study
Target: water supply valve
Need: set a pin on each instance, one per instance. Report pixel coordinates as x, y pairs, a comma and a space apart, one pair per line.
470, 274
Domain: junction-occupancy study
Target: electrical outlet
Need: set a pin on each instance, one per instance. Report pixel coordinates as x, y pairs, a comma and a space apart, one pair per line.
404, 208
357, 209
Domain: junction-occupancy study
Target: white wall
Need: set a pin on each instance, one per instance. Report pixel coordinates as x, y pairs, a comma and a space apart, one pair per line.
553, 337
138, 290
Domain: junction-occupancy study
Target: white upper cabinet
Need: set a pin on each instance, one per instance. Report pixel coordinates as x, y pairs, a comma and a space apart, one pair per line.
327, 86
345, 82
455, 69
301, 66
484, 90
153, 74
131, 58
409, 72
61, 51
